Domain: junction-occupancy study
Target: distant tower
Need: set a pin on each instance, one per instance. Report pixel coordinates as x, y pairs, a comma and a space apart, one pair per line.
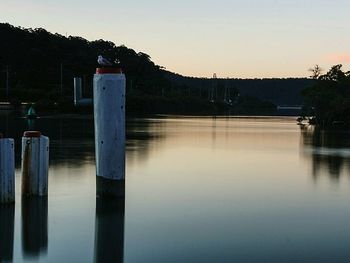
213, 91
226, 91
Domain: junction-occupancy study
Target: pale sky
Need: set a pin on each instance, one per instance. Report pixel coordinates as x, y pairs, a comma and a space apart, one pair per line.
233, 38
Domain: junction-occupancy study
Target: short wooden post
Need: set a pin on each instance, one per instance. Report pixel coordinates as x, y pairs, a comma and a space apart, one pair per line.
7, 170
109, 114
35, 164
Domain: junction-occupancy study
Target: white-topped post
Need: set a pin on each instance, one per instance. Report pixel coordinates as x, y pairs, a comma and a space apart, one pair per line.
109, 115
35, 164
7, 170
79, 100
78, 92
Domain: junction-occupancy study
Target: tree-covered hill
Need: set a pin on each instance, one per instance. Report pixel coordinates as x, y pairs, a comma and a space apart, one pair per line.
280, 91
35, 57
39, 66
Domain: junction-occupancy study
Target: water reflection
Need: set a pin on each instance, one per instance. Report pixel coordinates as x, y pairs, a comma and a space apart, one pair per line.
329, 150
34, 226
72, 139
109, 230
7, 216
141, 135
213, 132
247, 196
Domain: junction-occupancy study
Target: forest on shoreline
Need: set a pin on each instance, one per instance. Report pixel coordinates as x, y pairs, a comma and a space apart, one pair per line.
327, 101
37, 66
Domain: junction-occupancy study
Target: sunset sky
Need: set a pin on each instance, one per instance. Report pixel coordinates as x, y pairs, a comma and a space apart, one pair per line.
234, 38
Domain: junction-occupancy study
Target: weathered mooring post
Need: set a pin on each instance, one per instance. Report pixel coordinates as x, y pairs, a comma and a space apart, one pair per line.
109, 114
7, 197
7, 170
35, 164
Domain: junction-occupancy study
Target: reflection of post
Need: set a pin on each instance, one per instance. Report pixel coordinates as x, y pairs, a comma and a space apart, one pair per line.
213, 132
7, 217
109, 230
34, 225
109, 115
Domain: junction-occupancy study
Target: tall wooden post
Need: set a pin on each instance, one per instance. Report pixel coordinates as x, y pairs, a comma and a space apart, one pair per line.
109, 114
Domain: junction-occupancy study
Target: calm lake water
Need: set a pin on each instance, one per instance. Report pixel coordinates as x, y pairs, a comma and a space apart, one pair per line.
197, 190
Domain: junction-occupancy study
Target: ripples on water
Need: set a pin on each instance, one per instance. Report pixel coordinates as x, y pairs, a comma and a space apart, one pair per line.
198, 190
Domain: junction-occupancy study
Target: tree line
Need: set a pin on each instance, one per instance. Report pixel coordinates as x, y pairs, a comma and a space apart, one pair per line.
327, 101
39, 66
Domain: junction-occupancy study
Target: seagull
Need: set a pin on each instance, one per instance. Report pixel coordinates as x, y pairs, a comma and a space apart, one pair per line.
103, 62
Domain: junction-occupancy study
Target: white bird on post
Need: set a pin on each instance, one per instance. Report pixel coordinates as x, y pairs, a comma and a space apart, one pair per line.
103, 61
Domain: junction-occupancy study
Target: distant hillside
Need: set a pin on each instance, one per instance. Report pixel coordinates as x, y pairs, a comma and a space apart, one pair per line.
39, 66
278, 91
35, 57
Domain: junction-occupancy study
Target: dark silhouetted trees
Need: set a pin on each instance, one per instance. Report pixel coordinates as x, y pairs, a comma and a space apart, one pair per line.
328, 100
39, 67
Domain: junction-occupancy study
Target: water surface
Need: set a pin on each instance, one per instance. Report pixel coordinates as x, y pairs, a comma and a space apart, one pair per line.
198, 189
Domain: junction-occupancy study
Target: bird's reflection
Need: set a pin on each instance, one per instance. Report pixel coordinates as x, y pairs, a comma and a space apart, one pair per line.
7, 216
109, 230
34, 226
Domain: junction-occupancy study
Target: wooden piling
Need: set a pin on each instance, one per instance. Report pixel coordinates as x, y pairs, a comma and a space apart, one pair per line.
35, 164
7, 170
109, 114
